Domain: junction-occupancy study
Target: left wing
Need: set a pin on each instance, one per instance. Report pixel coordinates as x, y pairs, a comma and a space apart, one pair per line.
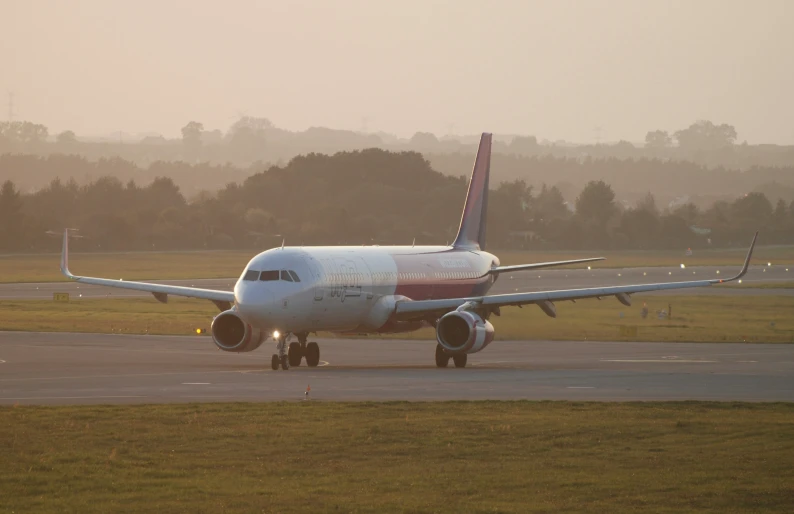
408, 309
222, 299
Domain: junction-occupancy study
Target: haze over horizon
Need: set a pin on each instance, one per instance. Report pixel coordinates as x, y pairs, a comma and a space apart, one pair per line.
554, 69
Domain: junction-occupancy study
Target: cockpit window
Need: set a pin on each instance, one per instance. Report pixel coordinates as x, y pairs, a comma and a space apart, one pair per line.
286, 276
267, 276
294, 276
251, 275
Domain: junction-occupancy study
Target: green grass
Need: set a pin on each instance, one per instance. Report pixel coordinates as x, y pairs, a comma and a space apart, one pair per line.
226, 264
766, 319
399, 457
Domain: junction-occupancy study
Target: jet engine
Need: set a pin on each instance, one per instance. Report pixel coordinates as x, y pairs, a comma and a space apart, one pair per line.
463, 332
231, 334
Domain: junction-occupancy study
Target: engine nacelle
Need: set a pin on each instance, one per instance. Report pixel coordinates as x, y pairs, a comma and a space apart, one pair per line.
463, 332
231, 334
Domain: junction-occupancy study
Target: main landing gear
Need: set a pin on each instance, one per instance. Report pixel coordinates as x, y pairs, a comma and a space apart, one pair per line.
292, 354
442, 358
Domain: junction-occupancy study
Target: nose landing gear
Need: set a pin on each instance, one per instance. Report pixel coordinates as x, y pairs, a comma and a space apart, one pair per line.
292, 354
280, 358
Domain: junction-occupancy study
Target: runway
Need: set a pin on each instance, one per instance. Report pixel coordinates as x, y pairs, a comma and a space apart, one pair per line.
508, 283
50, 368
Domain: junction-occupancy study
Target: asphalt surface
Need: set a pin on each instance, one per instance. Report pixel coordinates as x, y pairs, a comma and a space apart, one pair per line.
49, 368
508, 283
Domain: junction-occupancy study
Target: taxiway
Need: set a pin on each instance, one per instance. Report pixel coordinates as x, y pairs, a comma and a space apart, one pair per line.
63, 368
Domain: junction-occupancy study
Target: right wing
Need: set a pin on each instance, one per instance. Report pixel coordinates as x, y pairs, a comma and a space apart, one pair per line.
541, 265
409, 310
222, 299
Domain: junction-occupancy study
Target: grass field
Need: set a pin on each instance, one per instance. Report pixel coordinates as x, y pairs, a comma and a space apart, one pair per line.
399, 457
221, 264
765, 319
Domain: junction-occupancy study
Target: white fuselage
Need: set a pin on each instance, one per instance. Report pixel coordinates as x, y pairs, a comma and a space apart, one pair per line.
353, 288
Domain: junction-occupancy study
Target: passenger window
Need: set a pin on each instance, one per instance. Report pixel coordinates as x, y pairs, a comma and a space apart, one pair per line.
268, 276
285, 276
294, 275
251, 275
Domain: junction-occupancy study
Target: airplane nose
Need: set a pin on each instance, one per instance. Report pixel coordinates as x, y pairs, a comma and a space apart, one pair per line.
253, 303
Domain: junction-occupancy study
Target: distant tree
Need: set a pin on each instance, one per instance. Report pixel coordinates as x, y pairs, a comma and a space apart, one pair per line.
250, 122
689, 212
751, 212
550, 204
247, 143
658, 139
24, 131
524, 145
648, 203
705, 135
11, 215
596, 202
212, 137
67, 137
423, 140
191, 138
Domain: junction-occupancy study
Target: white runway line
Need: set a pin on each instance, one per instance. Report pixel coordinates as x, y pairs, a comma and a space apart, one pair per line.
196, 383
2, 361
668, 361
580, 387
67, 397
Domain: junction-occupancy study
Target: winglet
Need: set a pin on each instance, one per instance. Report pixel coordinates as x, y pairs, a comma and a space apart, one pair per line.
65, 255
746, 261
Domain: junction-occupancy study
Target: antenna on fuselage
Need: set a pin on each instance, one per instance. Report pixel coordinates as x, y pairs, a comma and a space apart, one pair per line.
414, 243
282, 243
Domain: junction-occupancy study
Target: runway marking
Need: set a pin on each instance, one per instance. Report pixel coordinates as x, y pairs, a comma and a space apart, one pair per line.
196, 383
131, 375
580, 387
669, 361
67, 397
2, 361
745, 362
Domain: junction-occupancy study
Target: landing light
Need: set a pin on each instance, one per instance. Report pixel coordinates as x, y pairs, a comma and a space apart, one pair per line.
589, 267
683, 265
200, 331
769, 264
276, 334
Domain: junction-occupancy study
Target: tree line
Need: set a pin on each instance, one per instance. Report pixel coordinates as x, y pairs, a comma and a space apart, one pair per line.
251, 139
362, 197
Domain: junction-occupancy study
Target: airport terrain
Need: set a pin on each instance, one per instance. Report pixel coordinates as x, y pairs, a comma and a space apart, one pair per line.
187, 265
399, 457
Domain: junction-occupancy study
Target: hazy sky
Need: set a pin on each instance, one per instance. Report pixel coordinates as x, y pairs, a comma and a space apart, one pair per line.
556, 69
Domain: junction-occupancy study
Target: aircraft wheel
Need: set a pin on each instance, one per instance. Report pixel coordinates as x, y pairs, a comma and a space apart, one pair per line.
274, 362
460, 360
442, 357
285, 362
295, 354
312, 354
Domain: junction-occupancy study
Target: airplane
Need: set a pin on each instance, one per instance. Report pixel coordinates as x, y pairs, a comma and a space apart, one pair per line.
296, 291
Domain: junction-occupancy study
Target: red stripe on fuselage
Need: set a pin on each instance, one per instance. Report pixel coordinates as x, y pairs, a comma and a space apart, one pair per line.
450, 274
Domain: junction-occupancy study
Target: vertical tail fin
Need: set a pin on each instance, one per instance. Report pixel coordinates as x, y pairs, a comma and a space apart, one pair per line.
472, 224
